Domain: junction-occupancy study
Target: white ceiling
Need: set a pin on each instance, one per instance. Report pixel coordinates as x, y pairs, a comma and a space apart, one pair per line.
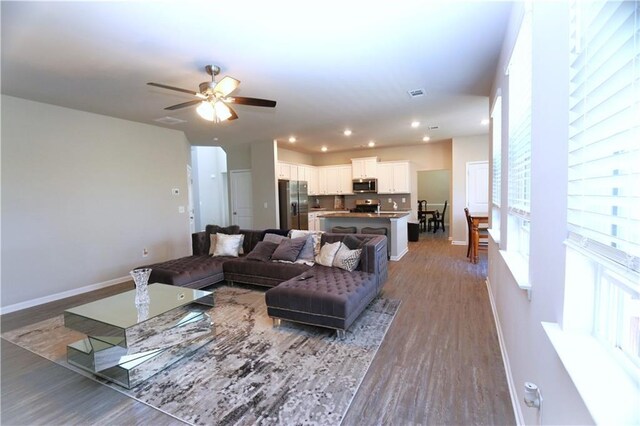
330, 65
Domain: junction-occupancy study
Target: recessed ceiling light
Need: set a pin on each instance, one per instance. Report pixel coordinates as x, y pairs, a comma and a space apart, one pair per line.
215, 139
426, 139
347, 132
415, 124
485, 122
372, 144
323, 149
292, 139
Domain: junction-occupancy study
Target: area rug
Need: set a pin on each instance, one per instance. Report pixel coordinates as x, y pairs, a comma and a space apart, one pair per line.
251, 373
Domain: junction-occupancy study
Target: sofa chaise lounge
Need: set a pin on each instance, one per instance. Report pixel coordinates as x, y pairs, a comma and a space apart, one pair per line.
318, 295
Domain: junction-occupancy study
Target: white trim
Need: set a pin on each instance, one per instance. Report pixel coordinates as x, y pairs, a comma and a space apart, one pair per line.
399, 256
519, 269
517, 410
458, 243
76, 291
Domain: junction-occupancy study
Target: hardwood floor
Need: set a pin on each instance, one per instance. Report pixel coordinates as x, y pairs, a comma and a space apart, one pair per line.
440, 362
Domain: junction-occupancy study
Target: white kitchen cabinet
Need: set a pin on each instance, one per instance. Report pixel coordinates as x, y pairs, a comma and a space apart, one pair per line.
393, 177
364, 168
311, 176
284, 171
335, 180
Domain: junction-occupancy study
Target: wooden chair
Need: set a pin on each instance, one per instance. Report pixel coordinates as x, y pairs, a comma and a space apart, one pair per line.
483, 233
344, 230
437, 219
422, 215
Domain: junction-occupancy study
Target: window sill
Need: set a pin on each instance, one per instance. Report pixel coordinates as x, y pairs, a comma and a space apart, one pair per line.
609, 393
519, 268
495, 235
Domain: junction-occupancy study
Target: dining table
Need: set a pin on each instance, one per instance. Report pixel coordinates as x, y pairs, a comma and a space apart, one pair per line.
477, 219
422, 218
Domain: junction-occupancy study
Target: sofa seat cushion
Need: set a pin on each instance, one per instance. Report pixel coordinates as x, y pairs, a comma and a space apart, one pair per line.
261, 273
186, 270
330, 297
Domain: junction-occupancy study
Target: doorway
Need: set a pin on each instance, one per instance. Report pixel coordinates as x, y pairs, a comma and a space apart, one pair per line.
434, 186
241, 199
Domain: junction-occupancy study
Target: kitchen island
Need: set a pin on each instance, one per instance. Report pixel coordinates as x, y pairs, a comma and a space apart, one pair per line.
394, 222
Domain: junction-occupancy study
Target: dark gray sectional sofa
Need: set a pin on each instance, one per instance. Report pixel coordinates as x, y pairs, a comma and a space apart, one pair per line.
317, 295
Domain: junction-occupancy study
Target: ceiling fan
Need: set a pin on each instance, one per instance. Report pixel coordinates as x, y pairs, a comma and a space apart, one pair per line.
214, 97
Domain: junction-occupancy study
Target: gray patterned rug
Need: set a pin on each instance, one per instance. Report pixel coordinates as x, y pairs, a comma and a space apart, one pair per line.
251, 373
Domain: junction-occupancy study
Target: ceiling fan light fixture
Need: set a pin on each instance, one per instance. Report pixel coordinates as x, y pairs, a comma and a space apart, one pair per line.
215, 111
206, 111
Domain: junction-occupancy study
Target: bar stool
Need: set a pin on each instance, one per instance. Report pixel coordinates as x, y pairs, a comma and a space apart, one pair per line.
376, 231
344, 230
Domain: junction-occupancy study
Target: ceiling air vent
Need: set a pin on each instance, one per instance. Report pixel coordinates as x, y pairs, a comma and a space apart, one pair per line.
416, 92
170, 120
433, 127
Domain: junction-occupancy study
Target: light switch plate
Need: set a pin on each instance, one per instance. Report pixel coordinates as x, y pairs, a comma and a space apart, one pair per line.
175, 191
181, 209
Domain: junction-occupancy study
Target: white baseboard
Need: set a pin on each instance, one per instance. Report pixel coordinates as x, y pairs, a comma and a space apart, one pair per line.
62, 295
399, 256
458, 243
517, 410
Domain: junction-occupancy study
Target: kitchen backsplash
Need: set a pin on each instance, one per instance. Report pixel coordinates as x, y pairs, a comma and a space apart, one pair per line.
328, 201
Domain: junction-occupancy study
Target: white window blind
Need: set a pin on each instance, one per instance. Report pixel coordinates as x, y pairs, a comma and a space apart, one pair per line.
519, 155
496, 119
604, 135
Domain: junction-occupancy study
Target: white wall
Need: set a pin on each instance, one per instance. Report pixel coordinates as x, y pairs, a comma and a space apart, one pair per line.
528, 350
265, 185
82, 195
465, 149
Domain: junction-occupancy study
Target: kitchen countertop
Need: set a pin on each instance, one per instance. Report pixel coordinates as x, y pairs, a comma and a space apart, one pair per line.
388, 215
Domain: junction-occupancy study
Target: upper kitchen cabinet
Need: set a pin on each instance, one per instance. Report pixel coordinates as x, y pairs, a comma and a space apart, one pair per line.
394, 177
310, 175
364, 168
335, 180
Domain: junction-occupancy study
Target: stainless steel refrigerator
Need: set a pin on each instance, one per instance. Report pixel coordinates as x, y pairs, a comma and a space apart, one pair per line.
294, 205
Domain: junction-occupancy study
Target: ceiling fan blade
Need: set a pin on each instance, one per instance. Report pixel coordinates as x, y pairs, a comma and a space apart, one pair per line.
177, 89
226, 85
251, 101
233, 114
184, 104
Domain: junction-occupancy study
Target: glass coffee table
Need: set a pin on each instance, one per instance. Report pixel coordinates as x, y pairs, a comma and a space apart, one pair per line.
127, 344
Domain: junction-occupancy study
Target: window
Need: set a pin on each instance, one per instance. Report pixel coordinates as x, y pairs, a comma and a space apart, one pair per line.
496, 137
519, 155
604, 174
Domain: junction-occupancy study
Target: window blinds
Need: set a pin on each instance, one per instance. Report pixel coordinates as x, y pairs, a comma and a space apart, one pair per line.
496, 118
604, 130
519, 155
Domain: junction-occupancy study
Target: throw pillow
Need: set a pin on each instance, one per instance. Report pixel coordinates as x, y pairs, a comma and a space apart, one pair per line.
214, 229
306, 255
212, 244
273, 238
347, 259
227, 245
327, 253
213, 240
263, 251
317, 236
288, 249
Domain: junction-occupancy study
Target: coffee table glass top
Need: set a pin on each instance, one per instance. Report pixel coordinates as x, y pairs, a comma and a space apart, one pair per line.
120, 310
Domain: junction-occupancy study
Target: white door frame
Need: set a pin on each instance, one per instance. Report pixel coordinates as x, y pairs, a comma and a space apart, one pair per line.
191, 211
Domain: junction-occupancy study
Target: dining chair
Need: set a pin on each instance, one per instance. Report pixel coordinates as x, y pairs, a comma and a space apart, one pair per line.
483, 233
422, 215
437, 219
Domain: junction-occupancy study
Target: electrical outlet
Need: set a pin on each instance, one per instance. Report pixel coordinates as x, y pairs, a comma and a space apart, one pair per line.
175, 191
145, 252
266, 206
404, 200
390, 200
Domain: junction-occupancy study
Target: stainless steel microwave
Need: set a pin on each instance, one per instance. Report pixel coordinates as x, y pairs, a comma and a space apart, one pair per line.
361, 186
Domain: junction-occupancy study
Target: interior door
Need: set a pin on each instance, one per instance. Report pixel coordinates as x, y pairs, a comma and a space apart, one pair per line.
478, 186
241, 199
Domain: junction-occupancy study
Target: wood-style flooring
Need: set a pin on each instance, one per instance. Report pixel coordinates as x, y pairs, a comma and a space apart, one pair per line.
439, 364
